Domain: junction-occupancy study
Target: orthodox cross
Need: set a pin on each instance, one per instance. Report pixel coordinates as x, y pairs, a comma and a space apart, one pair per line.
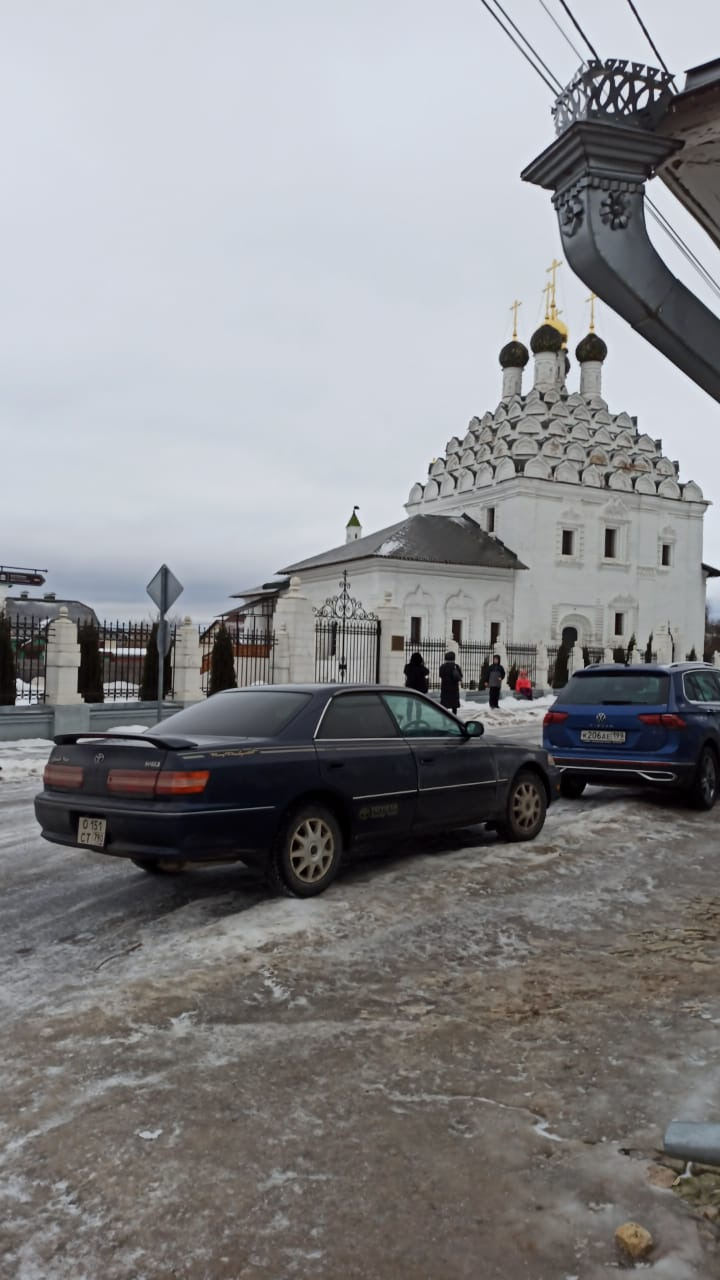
553, 268
591, 300
514, 309
547, 290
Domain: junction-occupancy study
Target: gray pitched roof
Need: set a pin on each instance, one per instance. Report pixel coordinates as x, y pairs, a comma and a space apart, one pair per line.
47, 610
432, 539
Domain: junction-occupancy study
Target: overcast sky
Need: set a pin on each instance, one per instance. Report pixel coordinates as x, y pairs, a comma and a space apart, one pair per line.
258, 261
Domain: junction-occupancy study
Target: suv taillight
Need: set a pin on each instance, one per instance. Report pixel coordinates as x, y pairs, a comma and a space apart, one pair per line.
664, 719
555, 717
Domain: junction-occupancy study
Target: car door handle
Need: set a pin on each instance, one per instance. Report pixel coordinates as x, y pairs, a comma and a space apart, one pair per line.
337, 764
427, 759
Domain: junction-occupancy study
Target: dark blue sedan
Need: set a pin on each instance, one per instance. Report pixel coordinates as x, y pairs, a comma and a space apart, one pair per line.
289, 778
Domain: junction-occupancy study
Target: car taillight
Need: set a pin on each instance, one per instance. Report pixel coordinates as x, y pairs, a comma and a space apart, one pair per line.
69, 776
664, 718
181, 784
555, 717
132, 782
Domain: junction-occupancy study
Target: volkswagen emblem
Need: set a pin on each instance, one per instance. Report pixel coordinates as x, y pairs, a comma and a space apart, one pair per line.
600, 718
100, 757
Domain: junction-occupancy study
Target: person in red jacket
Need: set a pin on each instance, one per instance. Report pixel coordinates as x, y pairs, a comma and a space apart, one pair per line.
523, 685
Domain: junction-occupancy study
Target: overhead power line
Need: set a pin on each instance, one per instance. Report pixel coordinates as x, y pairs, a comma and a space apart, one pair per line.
650, 41
506, 16
562, 31
580, 31
685, 249
552, 87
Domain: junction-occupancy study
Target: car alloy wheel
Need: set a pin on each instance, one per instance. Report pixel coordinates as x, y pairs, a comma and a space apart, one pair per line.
704, 790
307, 853
526, 806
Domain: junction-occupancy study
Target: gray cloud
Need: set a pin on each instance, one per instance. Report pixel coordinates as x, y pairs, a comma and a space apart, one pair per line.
259, 264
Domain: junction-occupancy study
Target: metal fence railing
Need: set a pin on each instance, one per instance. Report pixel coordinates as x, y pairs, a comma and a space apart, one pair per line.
254, 653
28, 641
123, 649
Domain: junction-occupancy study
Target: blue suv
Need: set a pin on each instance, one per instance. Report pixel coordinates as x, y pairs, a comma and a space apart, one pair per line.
650, 725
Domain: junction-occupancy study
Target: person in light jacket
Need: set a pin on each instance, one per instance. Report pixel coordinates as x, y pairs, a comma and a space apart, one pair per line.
450, 680
496, 675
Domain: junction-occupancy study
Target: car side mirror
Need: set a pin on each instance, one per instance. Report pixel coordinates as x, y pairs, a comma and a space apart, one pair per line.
474, 728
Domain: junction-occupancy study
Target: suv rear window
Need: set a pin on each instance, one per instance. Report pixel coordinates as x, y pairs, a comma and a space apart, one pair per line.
616, 688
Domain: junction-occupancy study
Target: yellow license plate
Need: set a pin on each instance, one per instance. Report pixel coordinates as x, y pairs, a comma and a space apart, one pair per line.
92, 831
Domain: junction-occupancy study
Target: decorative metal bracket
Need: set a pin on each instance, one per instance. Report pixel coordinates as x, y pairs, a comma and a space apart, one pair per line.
617, 90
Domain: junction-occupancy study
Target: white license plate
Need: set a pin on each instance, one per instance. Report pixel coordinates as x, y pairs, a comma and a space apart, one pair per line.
602, 735
92, 831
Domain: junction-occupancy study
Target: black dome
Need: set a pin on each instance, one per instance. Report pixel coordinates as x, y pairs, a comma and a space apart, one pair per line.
591, 347
546, 338
514, 355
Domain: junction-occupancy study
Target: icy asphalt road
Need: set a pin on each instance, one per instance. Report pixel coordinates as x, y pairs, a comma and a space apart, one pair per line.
457, 1063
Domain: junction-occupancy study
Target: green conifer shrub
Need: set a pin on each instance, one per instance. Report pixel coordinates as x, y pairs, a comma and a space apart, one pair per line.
8, 686
222, 662
90, 671
149, 681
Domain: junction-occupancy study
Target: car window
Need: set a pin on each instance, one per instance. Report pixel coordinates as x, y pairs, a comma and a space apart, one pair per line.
616, 688
239, 713
357, 715
702, 686
418, 718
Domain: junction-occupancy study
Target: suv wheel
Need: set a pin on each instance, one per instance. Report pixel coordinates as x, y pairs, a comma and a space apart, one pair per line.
571, 787
704, 788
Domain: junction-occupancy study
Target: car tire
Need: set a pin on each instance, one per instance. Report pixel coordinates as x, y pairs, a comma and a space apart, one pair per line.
703, 791
306, 856
571, 787
525, 809
160, 866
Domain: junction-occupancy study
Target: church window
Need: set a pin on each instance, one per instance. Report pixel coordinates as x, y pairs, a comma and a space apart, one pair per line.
494, 632
456, 629
490, 520
619, 624
611, 546
415, 630
568, 542
665, 554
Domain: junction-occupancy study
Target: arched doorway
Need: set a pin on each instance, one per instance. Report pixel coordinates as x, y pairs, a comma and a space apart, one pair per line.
569, 637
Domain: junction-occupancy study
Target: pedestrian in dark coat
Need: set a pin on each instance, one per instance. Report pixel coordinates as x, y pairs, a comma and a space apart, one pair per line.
416, 674
496, 675
450, 679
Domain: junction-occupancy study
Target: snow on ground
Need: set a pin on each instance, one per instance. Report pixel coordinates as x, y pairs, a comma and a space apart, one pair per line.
510, 712
25, 759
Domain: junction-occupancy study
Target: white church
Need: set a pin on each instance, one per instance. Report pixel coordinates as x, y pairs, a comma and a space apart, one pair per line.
550, 519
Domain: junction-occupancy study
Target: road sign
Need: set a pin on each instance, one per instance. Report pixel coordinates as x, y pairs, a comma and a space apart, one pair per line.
164, 589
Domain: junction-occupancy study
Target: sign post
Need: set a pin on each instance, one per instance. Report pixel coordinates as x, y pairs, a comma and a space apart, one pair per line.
163, 590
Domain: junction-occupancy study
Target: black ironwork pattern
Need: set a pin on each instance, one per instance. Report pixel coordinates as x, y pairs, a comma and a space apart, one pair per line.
614, 89
347, 639
343, 606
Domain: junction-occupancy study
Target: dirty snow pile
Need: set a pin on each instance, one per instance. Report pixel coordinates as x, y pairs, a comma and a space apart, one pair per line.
24, 759
510, 712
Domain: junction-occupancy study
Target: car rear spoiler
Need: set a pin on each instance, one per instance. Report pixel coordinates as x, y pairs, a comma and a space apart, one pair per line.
155, 739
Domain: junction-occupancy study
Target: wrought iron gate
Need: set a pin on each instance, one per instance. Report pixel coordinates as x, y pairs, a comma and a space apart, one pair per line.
347, 640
